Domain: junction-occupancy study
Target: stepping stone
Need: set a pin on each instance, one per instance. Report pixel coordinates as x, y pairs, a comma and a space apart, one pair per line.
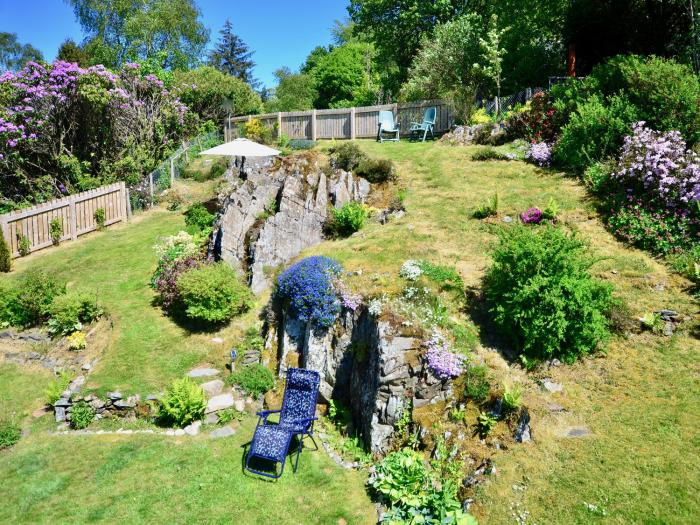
217, 340
193, 429
577, 432
551, 386
221, 432
240, 405
203, 372
219, 402
213, 388
211, 419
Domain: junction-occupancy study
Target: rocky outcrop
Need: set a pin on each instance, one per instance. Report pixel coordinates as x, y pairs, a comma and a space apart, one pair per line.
276, 210
366, 364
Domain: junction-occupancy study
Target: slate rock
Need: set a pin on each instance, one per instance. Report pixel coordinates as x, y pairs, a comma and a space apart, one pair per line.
577, 432
193, 429
6, 334
211, 419
220, 402
222, 432
203, 372
522, 431
114, 396
213, 388
555, 407
551, 386
60, 413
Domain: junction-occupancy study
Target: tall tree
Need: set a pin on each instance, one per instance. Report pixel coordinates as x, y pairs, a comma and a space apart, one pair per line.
233, 56
294, 91
346, 76
72, 52
122, 30
14, 55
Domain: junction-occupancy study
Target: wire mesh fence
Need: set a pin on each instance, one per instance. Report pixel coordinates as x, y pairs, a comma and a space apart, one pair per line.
144, 194
500, 104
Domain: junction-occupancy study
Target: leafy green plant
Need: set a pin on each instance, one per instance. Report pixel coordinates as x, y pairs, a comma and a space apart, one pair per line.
68, 312
255, 130
81, 415
10, 434
228, 415
444, 276
512, 398
338, 414
5, 256
485, 423
542, 297
377, 171
24, 246
183, 403
301, 144
56, 230
346, 220
255, 379
55, 388
213, 294
551, 211
476, 384
490, 209
458, 414
100, 218
653, 322
401, 477
198, 219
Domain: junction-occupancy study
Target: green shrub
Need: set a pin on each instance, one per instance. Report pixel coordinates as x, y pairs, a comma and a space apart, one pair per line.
255, 130
542, 297
476, 384
664, 92
213, 293
198, 218
489, 209
401, 478
81, 415
56, 387
10, 434
23, 245
489, 153
5, 256
301, 144
68, 312
444, 276
228, 415
217, 169
595, 131
35, 294
347, 156
100, 218
346, 220
377, 171
551, 211
255, 379
687, 263
183, 403
598, 180
56, 230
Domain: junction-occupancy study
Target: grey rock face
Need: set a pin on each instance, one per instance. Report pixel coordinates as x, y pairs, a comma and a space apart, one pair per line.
276, 212
522, 431
366, 366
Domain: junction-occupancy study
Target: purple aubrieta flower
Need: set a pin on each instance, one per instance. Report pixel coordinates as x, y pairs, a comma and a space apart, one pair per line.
539, 153
531, 216
442, 363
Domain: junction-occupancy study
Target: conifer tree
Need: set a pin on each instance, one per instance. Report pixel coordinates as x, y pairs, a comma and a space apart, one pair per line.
233, 56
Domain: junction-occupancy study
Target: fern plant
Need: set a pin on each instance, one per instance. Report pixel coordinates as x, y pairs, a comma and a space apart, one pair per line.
183, 403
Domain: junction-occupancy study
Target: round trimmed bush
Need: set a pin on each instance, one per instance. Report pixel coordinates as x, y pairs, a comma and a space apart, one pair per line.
542, 296
213, 293
306, 288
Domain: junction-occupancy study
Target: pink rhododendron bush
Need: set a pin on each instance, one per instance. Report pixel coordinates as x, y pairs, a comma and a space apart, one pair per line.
64, 128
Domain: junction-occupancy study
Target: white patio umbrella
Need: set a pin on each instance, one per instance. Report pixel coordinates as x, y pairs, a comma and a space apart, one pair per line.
241, 148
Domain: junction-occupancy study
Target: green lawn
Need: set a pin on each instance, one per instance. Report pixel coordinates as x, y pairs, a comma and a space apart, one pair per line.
641, 400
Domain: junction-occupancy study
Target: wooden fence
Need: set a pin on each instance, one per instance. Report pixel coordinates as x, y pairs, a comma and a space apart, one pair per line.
76, 214
345, 123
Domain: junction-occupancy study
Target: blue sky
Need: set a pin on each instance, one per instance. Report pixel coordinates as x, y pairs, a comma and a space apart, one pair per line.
281, 32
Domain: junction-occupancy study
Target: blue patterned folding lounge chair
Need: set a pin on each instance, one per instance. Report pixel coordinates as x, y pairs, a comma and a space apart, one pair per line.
423, 128
296, 417
387, 126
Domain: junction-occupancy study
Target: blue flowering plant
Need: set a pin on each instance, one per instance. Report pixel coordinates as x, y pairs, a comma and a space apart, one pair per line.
307, 289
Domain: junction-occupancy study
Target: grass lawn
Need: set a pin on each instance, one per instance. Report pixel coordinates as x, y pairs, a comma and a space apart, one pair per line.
641, 401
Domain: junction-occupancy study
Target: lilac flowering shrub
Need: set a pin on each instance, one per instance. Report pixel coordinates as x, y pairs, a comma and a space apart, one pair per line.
531, 216
539, 153
442, 363
64, 128
655, 197
306, 288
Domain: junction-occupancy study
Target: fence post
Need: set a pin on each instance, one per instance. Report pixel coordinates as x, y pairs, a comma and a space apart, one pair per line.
313, 124
127, 198
279, 124
150, 186
352, 124
73, 223
124, 192
185, 145
528, 94
5, 232
172, 171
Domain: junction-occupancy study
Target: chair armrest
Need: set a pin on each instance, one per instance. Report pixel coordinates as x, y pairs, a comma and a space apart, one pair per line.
265, 413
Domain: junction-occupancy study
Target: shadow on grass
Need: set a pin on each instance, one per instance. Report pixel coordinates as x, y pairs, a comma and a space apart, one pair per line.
476, 307
176, 314
269, 467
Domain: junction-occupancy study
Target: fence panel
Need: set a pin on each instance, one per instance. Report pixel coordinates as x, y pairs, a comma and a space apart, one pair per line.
333, 124
76, 215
